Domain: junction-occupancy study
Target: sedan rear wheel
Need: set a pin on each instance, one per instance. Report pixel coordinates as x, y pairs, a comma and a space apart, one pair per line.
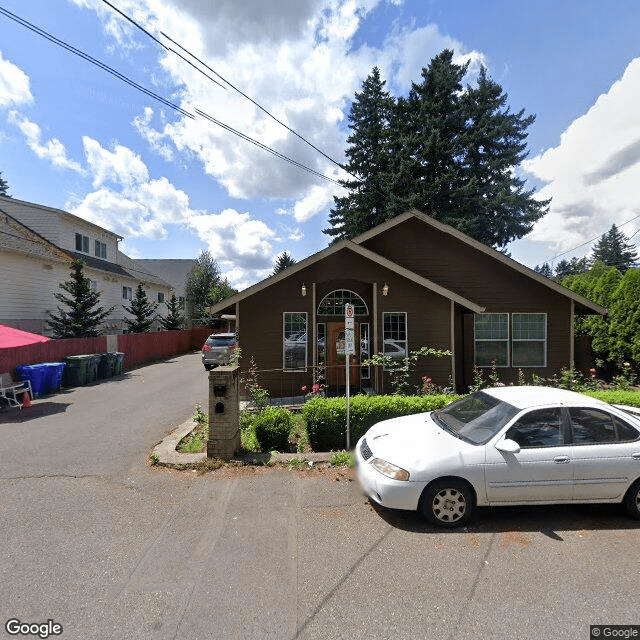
632, 500
447, 503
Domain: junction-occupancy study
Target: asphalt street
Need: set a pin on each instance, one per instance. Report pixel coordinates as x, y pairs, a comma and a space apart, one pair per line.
108, 547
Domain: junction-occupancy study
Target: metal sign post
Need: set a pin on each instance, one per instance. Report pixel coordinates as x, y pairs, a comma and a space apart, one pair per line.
349, 348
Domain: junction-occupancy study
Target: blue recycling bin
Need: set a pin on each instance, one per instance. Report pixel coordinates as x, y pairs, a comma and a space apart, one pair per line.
52, 376
34, 373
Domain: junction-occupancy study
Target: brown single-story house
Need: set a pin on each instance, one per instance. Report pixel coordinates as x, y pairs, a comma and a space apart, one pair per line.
414, 282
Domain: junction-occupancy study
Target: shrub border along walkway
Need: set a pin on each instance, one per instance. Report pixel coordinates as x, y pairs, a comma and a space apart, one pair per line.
167, 454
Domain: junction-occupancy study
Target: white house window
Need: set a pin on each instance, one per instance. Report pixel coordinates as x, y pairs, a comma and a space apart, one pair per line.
160, 296
82, 243
394, 334
322, 343
333, 303
127, 293
491, 339
93, 285
294, 341
100, 249
529, 339
181, 302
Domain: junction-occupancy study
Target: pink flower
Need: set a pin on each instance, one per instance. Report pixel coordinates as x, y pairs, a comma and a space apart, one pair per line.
304, 389
592, 372
315, 388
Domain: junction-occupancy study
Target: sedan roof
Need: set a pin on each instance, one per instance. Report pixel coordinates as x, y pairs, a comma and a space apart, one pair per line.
524, 397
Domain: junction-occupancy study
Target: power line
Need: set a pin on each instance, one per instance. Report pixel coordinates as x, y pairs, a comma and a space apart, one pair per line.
155, 96
94, 61
204, 64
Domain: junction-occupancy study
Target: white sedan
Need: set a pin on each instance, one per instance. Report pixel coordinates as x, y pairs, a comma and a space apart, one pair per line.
503, 446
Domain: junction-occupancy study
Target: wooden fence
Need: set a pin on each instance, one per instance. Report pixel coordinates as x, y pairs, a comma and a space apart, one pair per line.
138, 348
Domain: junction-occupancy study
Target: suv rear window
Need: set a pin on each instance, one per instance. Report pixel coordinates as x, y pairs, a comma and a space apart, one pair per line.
221, 341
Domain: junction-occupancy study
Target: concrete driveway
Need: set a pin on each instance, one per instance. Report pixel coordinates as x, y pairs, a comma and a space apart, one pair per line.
107, 547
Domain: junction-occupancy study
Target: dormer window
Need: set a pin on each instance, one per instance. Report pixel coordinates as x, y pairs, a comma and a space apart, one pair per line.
82, 243
101, 249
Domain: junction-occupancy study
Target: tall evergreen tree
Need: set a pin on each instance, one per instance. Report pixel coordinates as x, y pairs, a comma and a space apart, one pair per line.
448, 152
174, 320
84, 316
203, 277
4, 187
615, 250
365, 206
429, 134
496, 208
572, 267
544, 270
142, 311
283, 261
221, 291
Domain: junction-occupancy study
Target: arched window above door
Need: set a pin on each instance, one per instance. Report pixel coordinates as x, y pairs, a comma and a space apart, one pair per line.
333, 303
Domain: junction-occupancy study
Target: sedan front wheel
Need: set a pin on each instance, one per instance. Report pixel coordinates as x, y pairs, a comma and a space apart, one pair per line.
447, 503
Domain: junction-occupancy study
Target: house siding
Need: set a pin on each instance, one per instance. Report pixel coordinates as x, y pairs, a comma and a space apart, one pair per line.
477, 276
261, 316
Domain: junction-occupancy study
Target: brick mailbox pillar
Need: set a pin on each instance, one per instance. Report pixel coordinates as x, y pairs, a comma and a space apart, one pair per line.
224, 412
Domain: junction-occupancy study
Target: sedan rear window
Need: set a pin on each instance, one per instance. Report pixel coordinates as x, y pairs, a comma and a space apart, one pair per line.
221, 341
478, 417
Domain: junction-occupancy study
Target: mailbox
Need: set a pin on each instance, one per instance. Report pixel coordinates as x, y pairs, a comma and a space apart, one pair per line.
224, 412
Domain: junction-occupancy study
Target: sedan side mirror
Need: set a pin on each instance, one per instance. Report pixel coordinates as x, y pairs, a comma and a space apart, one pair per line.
508, 446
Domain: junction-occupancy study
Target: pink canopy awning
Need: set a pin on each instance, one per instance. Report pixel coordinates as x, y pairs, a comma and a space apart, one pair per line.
11, 337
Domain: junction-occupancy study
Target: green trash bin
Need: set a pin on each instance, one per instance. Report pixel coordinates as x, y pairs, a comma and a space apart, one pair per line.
75, 372
105, 366
119, 363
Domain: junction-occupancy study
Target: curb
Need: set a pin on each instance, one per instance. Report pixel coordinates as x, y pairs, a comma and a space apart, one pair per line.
168, 455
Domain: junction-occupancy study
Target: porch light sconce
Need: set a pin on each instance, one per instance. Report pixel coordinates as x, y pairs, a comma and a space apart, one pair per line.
303, 291
385, 289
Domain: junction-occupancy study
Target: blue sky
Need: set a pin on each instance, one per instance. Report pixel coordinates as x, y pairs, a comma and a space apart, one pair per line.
74, 137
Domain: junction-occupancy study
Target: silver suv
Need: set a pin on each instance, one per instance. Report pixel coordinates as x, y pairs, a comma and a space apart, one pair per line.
218, 349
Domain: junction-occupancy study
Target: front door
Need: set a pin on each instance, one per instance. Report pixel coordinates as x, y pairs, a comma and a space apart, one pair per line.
336, 370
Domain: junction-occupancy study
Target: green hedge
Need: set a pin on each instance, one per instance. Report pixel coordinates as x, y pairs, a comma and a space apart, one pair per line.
272, 428
326, 418
631, 398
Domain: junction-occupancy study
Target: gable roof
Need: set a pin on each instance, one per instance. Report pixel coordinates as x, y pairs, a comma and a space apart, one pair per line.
468, 240
355, 248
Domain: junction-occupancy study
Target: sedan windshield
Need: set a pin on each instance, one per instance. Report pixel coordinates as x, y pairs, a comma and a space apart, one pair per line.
476, 418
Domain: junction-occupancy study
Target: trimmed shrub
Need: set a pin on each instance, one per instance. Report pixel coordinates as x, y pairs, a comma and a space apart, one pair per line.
326, 418
630, 398
272, 428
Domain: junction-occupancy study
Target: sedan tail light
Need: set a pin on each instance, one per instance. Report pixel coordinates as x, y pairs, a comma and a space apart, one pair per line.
206, 347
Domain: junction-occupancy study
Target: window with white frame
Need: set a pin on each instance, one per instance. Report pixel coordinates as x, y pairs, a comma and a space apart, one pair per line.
294, 341
82, 243
394, 334
93, 285
322, 343
491, 337
181, 302
333, 303
127, 294
160, 296
100, 249
529, 339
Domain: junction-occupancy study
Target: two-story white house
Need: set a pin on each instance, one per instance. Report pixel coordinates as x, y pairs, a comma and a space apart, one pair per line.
37, 245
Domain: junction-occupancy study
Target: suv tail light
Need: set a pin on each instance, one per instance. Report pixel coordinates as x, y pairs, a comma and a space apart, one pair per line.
232, 347
206, 347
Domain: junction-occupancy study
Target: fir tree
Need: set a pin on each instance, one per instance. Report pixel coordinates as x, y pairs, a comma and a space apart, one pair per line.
174, 321
544, 270
283, 261
84, 316
142, 311
221, 291
365, 206
614, 250
4, 187
572, 267
496, 208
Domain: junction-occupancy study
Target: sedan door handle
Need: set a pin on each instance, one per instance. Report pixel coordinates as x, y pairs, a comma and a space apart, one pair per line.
561, 459
636, 455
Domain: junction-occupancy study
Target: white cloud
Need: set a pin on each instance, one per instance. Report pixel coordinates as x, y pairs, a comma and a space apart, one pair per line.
593, 175
120, 166
52, 150
14, 85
